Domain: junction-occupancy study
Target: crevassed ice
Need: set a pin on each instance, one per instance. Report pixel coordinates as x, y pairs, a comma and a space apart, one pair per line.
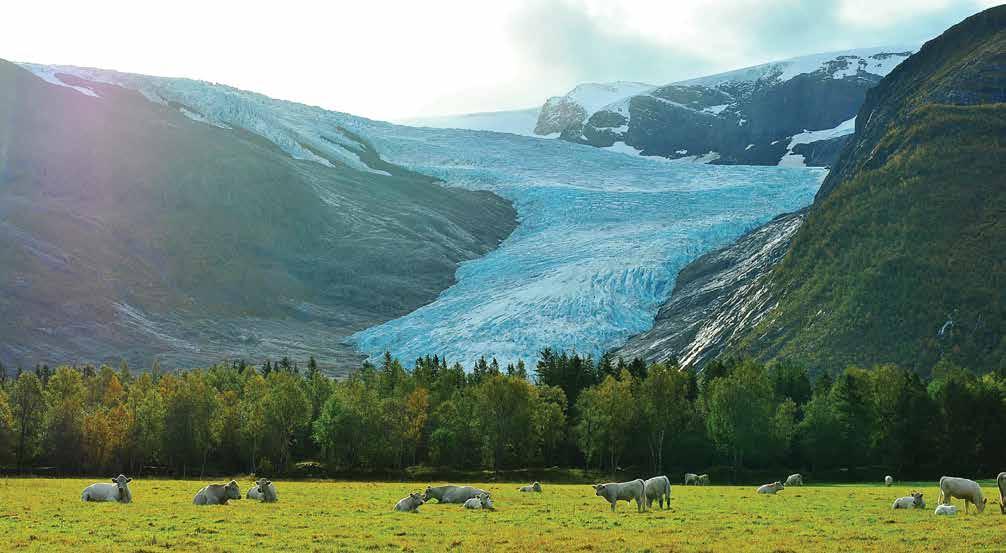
600, 241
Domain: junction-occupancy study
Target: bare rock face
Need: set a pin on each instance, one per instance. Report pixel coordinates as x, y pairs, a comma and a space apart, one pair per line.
715, 296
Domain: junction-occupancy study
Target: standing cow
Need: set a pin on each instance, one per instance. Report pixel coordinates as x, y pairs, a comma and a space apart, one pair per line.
691, 478
962, 488
217, 494
703, 480
451, 494
614, 492
1001, 481
794, 480
888, 480
659, 488
118, 490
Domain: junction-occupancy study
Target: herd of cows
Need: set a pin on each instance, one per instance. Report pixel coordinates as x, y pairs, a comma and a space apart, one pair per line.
643, 492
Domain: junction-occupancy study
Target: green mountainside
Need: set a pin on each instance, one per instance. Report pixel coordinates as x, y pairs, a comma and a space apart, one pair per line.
902, 257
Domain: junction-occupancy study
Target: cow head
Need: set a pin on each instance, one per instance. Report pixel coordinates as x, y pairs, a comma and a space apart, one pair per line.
428, 493
121, 481
233, 491
917, 499
417, 498
536, 486
486, 502
981, 506
599, 489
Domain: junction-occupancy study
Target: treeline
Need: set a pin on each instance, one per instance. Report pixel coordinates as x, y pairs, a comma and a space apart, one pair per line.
573, 412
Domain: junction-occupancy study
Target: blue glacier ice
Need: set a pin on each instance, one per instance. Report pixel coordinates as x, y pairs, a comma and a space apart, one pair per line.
601, 236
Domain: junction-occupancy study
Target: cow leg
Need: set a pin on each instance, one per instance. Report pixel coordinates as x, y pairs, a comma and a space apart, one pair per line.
613, 506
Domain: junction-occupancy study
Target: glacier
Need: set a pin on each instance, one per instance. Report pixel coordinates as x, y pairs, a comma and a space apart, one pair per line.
601, 234
601, 238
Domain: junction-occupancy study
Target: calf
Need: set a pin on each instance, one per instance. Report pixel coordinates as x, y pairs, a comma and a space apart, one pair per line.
772, 488
264, 491
481, 501
658, 487
118, 490
614, 492
913, 501
217, 494
410, 503
945, 510
962, 488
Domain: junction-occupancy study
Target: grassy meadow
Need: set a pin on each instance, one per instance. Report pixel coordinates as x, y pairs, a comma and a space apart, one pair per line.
47, 515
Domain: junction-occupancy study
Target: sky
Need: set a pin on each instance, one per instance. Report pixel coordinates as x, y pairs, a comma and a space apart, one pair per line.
396, 59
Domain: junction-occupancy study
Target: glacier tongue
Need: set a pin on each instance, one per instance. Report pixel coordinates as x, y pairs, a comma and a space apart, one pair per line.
600, 241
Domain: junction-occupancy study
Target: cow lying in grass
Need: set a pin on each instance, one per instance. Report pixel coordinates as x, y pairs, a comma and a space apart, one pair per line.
118, 490
480, 501
409, 503
533, 487
451, 494
217, 494
614, 492
913, 501
264, 491
771, 488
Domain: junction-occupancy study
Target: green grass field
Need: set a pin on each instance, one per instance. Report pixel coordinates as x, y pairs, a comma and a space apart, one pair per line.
47, 515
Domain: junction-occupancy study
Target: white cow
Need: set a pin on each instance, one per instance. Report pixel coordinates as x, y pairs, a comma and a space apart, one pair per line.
410, 503
913, 501
691, 478
794, 480
264, 491
614, 492
772, 488
946, 510
533, 487
659, 488
703, 480
451, 494
1001, 481
888, 480
217, 494
962, 488
481, 501
118, 490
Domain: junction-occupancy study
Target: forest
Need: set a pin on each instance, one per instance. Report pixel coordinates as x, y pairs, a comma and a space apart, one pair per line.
733, 419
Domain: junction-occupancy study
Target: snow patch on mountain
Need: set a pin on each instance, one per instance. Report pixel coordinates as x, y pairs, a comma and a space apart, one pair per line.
806, 137
594, 96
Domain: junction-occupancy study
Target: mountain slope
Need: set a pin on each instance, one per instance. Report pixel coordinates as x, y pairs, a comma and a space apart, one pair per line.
132, 226
747, 116
901, 258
